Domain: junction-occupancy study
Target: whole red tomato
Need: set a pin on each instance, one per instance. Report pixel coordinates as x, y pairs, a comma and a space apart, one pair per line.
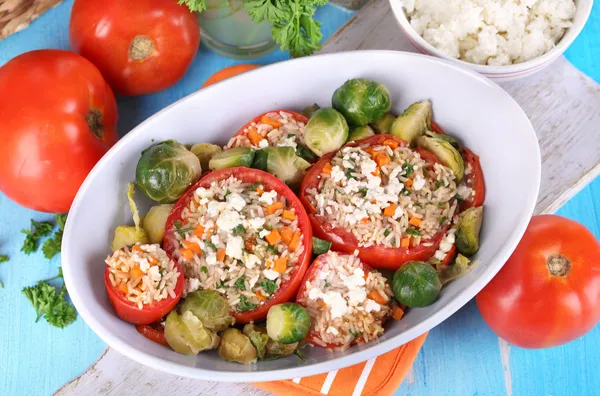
57, 119
548, 292
140, 46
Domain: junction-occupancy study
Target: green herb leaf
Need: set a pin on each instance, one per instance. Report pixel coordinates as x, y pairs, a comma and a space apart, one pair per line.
245, 305
227, 192
204, 269
210, 245
3, 259
305, 153
408, 168
50, 304
220, 284
349, 174
254, 186
413, 232
37, 231
458, 198
363, 191
51, 247
268, 227
268, 286
355, 333
195, 5
438, 184
272, 249
239, 229
180, 230
443, 219
320, 246
261, 158
240, 283
386, 232
61, 219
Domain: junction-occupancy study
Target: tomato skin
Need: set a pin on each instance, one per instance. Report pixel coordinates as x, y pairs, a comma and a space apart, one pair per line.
287, 291
474, 180
48, 147
103, 32
527, 305
297, 116
344, 241
428, 157
154, 332
449, 256
129, 312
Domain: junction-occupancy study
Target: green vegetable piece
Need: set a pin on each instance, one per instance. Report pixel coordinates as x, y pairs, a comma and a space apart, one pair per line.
260, 160
309, 110
360, 132
416, 284
50, 304
61, 220
460, 267
186, 334
240, 156
362, 101
447, 138
51, 246
204, 152
258, 337
3, 259
288, 322
128, 236
320, 246
413, 122
467, 236
268, 286
326, 131
446, 153
276, 350
38, 230
154, 222
384, 124
245, 305
237, 347
210, 307
285, 164
306, 154
166, 170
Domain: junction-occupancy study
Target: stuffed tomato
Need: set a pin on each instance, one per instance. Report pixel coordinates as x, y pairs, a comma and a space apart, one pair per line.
390, 202
142, 283
243, 233
347, 300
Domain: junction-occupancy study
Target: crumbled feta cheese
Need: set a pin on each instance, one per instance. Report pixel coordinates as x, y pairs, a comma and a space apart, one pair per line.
228, 220
264, 233
154, 274
372, 306
252, 281
215, 207
367, 167
144, 264
357, 279
251, 260
337, 174
211, 259
332, 330
263, 143
399, 212
190, 285
204, 193
336, 303
256, 223
356, 296
418, 183
270, 274
288, 142
315, 293
235, 245
235, 202
268, 197
215, 239
440, 255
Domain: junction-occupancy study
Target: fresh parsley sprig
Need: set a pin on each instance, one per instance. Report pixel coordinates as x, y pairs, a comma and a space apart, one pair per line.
38, 230
50, 303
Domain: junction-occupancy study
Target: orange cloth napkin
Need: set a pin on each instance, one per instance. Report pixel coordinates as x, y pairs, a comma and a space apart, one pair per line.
380, 376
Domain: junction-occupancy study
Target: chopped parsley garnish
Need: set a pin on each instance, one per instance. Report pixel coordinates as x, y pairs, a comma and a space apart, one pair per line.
210, 245
227, 192
245, 305
438, 184
413, 232
220, 284
52, 246
204, 269
458, 198
272, 249
37, 231
356, 334
394, 242
268, 227
240, 283
326, 283
405, 192
61, 219
268, 286
181, 231
320, 246
349, 174
408, 168
239, 229
3, 259
443, 219
254, 186
386, 232
363, 191
50, 303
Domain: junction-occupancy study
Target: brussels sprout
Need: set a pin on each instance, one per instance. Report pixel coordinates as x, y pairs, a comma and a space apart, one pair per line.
166, 170
467, 236
258, 337
309, 110
240, 156
282, 162
447, 138
127, 235
360, 132
237, 347
384, 124
306, 154
416, 284
361, 101
288, 322
185, 334
460, 267
326, 131
276, 350
154, 222
210, 307
413, 122
446, 153
204, 152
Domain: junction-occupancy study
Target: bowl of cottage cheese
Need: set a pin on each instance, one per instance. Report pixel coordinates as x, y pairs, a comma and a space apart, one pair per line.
501, 39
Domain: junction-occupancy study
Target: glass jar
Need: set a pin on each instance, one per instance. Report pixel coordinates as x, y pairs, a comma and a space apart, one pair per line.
227, 29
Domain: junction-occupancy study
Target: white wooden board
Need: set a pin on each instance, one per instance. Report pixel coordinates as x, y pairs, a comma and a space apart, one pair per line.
564, 107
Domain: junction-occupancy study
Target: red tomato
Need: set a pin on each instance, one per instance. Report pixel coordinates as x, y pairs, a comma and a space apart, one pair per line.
436, 128
473, 179
297, 116
449, 256
344, 241
140, 47
428, 157
286, 291
312, 273
57, 119
129, 312
548, 292
154, 332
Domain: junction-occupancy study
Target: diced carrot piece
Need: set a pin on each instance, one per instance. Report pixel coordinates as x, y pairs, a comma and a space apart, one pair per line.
397, 312
260, 190
370, 150
199, 231
123, 287
186, 254
286, 234
390, 210
323, 304
269, 121
137, 248
193, 246
382, 159
221, 255
390, 143
274, 207
408, 183
405, 242
152, 260
280, 265
415, 221
136, 272
254, 136
377, 297
295, 241
376, 172
365, 220
268, 264
327, 168
249, 245
273, 237
288, 214
140, 286
260, 296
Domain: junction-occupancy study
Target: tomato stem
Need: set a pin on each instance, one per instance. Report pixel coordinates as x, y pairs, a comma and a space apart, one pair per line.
141, 48
94, 120
558, 265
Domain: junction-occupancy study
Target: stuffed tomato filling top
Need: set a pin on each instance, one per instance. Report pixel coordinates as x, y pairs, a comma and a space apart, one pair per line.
274, 129
239, 239
386, 194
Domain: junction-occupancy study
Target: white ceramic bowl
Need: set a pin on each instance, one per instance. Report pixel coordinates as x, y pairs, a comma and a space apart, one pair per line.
499, 73
467, 105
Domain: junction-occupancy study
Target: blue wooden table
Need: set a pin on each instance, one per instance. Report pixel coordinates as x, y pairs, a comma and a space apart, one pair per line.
461, 356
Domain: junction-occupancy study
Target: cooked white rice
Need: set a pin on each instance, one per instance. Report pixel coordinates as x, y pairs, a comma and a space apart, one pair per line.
283, 130
228, 236
339, 300
144, 273
354, 195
